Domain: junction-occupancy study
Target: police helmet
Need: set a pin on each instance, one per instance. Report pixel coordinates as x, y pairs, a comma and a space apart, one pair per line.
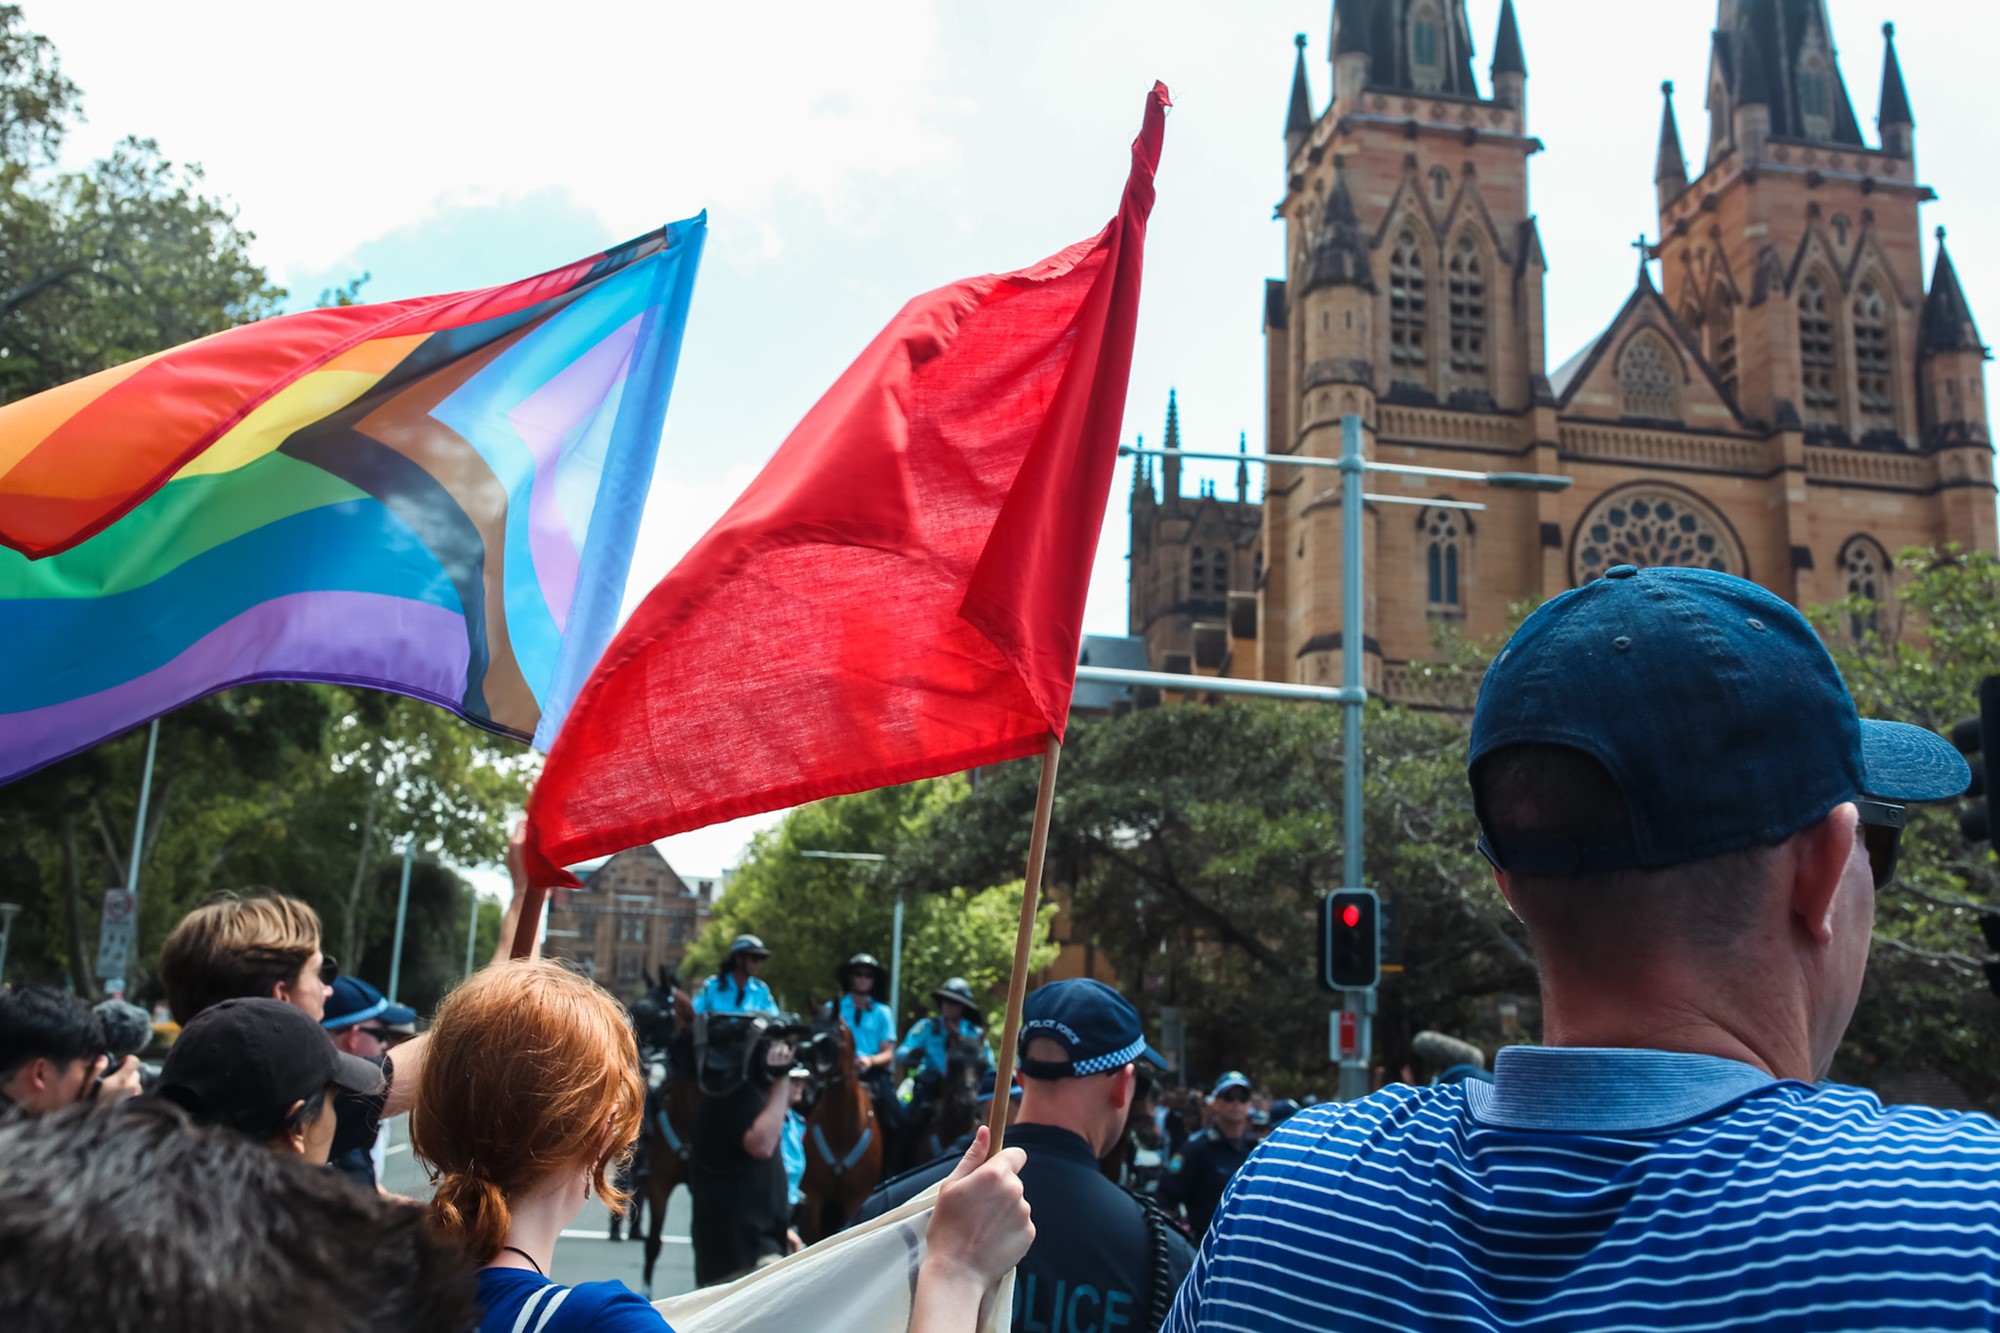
860, 962
749, 944
959, 991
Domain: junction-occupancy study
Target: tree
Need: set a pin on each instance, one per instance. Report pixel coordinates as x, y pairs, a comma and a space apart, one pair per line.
1194, 842
1919, 659
815, 914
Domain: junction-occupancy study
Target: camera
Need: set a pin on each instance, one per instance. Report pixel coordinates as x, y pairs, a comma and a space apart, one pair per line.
732, 1049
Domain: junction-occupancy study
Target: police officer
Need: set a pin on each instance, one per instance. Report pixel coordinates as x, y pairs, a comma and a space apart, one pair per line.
1102, 1260
736, 989
874, 1029
924, 1052
1197, 1174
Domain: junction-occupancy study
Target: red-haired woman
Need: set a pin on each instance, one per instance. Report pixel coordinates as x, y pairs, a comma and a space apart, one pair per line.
528, 1095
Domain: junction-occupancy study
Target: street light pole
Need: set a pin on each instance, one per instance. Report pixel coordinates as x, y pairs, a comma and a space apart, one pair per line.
1354, 1066
1352, 696
471, 932
402, 915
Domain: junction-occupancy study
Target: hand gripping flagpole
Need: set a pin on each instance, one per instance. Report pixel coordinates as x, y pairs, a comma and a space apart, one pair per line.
1017, 982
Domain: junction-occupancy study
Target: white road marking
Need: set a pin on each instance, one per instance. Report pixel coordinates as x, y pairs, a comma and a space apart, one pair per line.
606, 1235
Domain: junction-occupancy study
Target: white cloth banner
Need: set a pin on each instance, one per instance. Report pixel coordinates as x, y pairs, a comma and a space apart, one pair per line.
859, 1281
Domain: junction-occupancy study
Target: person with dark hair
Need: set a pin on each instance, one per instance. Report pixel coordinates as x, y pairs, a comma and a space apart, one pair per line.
1682, 806
265, 1070
139, 1221
1200, 1171
737, 989
365, 1025
1102, 1258
52, 1053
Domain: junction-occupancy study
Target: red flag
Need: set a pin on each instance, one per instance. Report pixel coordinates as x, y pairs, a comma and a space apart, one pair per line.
900, 592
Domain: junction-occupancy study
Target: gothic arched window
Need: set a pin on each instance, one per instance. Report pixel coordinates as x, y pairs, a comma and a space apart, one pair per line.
1871, 359
1719, 327
1426, 47
1649, 376
1218, 571
1865, 567
1408, 304
1817, 364
1440, 182
1197, 573
1441, 533
1468, 311
1653, 523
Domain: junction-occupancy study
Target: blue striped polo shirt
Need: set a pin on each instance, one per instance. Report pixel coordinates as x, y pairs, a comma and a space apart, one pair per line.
1609, 1190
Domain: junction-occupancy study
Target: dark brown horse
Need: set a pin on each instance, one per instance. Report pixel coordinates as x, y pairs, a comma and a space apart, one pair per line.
664, 1021
953, 1111
843, 1146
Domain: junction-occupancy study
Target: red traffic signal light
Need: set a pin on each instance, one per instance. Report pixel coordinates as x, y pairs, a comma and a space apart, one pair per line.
1350, 940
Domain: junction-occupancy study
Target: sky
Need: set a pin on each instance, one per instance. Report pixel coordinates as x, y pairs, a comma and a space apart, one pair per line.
851, 157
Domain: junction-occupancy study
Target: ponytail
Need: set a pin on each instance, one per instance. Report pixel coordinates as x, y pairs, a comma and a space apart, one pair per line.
473, 1212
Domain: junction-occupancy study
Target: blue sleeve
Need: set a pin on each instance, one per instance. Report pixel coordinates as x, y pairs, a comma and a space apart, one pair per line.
606, 1307
700, 1001
913, 1041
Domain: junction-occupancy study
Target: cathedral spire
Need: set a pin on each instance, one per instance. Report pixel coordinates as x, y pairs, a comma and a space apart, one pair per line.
1299, 120
1948, 325
1670, 170
1339, 256
1170, 467
1508, 58
1243, 467
1894, 120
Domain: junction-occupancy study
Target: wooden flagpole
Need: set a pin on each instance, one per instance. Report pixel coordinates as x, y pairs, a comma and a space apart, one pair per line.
530, 923
1017, 983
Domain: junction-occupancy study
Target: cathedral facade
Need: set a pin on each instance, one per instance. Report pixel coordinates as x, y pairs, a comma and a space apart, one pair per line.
1791, 401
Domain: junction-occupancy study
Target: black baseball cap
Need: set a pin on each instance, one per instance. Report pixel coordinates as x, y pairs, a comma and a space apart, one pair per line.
1094, 1023
244, 1062
1713, 705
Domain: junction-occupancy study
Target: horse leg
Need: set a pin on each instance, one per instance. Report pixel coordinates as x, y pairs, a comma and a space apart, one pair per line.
659, 1188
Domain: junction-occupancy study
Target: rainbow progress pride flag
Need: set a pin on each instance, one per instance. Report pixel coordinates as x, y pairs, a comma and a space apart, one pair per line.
436, 496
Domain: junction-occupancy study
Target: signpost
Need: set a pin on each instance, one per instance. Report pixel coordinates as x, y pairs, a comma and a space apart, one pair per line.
114, 939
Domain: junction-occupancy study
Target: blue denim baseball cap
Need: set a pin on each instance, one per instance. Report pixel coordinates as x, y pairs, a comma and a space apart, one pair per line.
1096, 1025
1713, 705
355, 1001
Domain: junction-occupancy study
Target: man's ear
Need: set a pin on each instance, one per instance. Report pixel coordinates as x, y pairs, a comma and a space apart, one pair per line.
1121, 1087
41, 1073
294, 1139
1818, 857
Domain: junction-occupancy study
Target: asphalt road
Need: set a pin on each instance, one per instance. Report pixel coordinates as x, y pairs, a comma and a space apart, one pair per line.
585, 1253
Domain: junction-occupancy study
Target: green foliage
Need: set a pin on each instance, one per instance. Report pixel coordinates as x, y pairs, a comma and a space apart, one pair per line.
1194, 842
299, 787
116, 261
1920, 660
815, 914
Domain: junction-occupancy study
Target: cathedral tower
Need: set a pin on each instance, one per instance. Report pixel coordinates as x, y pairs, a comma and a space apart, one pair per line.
1792, 402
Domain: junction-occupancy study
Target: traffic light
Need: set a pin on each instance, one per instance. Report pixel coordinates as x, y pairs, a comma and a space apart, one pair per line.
1350, 940
1979, 739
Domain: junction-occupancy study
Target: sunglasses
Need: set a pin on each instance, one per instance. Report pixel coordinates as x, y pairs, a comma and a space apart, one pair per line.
387, 1036
329, 968
1233, 1095
1882, 833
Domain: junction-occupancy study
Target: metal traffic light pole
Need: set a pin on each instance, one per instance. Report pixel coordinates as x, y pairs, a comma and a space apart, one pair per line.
1353, 695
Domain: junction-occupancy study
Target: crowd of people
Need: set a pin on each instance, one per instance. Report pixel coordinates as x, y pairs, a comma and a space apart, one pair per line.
1676, 797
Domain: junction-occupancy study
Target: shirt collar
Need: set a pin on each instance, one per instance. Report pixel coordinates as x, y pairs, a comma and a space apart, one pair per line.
1053, 1139
1579, 1089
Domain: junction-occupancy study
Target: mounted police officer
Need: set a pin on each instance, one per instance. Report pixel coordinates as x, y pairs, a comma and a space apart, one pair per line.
867, 1016
1196, 1176
926, 1049
737, 989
